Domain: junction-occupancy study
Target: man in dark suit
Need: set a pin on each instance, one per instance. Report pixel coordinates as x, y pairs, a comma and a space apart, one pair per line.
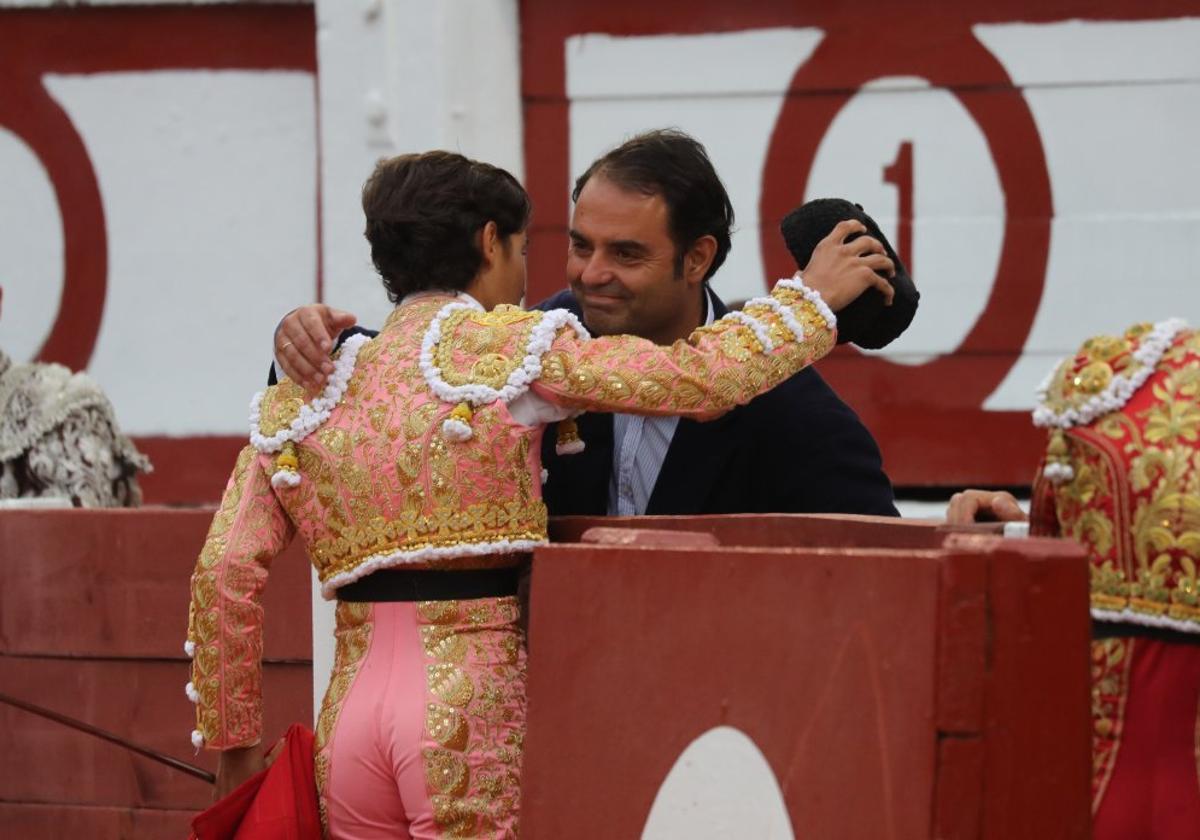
737, 463
650, 227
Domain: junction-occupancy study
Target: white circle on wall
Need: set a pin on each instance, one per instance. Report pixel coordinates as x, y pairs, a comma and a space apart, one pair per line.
721, 786
31, 250
957, 200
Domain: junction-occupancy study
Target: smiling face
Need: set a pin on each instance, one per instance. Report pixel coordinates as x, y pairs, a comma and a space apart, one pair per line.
622, 267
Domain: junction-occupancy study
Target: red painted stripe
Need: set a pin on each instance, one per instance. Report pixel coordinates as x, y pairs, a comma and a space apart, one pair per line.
217, 37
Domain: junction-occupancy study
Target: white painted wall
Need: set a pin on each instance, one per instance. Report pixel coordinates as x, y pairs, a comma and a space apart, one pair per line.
207, 180
1117, 106
1118, 109
720, 787
406, 76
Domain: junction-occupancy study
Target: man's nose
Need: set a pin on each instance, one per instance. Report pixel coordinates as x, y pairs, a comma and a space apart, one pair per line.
597, 271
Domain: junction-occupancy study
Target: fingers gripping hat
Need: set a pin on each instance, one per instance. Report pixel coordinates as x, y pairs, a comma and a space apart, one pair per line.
866, 322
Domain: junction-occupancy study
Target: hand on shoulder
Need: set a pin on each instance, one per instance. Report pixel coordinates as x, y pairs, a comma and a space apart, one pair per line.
303, 340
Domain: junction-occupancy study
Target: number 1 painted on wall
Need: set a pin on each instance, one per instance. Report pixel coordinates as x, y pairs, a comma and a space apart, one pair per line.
900, 173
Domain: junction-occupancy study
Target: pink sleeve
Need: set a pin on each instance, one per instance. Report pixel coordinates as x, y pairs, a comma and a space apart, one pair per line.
225, 618
716, 368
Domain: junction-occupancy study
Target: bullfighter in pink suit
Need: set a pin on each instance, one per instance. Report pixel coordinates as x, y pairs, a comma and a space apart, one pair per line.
414, 481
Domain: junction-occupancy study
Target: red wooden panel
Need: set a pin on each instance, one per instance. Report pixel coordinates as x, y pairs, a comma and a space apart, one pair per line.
958, 797
771, 530
1037, 722
962, 645
95, 823
93, 613
826, 660
188, 471
903, 694
44, 762
115, 583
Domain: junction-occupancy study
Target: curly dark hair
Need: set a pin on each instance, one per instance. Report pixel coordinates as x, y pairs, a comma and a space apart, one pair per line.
669, 163
424, 212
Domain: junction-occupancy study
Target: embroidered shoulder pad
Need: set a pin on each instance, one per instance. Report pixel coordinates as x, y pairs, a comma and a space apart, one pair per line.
1103, 375
281, 415
470, 355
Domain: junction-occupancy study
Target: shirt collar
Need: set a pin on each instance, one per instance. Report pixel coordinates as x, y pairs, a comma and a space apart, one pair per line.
710, 305
426, 293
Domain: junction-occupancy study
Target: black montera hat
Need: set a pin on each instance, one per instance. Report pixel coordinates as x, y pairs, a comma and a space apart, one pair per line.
866, 321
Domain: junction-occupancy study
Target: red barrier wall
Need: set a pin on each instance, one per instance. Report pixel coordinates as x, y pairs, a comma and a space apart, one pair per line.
93, 615
930, 686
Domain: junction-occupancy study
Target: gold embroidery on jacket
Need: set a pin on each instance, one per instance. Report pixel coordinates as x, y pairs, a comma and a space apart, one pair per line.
484, 348
1111, 660
410, 531
226, 666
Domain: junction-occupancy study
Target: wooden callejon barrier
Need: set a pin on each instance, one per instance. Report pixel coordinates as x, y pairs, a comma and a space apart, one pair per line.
93, 615
753, 676
807, 677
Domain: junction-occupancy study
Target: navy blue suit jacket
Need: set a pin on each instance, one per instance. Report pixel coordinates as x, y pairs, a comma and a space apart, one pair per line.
795, 449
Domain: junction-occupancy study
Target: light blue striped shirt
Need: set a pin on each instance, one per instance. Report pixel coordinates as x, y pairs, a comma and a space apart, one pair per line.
639, 448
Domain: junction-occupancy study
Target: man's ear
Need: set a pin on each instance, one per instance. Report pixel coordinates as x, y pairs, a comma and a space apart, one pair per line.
698, 258
490, 242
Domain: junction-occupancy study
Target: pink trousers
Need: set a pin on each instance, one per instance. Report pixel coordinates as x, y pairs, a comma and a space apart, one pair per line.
420, 731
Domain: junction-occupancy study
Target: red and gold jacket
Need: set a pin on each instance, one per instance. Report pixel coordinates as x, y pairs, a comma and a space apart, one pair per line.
1121, 472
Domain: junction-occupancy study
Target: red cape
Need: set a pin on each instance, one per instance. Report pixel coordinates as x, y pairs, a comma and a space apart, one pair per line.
280, 803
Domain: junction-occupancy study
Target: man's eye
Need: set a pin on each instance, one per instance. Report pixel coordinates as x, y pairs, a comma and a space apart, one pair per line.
580, 248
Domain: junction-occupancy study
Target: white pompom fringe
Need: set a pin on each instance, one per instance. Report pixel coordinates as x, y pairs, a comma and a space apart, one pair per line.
285, 478
1058, 473
197, 739
192, 693
545, 475
456, 430
573, 447
189, 647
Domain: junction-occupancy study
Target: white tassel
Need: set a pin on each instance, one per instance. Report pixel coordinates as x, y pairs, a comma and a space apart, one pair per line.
192, 693
189, 647
454, 429
197, 739
285, 478
1059, 473
571, 447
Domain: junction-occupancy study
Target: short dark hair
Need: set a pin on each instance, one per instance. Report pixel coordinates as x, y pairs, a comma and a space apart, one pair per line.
669, 163
424, 212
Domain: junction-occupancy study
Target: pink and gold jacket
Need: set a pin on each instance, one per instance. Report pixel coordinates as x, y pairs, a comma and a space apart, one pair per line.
424, 451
